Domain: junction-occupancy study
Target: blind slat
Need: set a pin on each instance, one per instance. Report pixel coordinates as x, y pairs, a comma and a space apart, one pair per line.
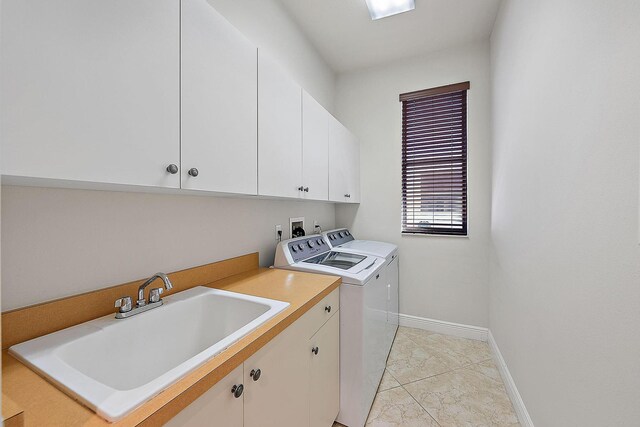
434, 161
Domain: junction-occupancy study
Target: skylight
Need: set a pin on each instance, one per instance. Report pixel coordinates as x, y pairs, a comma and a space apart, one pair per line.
383, 8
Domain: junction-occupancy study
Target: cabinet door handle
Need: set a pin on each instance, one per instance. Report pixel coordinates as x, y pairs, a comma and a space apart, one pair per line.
193, 172
328, 309
255, 374
301, 188
377, 276
306, 189
315, 350
237, 390
172, 169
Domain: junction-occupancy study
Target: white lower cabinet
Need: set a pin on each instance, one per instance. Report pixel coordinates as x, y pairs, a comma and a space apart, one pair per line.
218, 407
325, 374
280, 395
293, 381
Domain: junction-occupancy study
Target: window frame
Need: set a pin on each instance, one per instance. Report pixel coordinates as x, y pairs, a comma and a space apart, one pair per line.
452, 231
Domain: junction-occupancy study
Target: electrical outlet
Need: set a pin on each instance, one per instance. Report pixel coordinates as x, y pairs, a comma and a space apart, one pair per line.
278, 233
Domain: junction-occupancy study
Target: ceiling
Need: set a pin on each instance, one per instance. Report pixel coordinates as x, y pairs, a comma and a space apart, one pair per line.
348, 39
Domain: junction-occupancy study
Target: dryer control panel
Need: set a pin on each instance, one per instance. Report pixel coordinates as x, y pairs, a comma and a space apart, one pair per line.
338, 237
304, 248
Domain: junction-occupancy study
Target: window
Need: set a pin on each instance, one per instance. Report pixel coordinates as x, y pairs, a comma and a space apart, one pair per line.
434, 161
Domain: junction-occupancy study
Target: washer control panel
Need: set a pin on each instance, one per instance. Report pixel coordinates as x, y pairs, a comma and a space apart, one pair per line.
338, 237
307, 247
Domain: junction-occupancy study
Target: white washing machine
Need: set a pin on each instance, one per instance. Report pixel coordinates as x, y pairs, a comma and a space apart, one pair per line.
342, 239
363, 317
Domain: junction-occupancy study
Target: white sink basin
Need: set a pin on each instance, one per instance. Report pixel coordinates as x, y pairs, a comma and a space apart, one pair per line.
114, 365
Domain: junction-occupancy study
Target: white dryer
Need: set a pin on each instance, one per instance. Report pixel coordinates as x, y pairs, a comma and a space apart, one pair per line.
363, 317
342, 239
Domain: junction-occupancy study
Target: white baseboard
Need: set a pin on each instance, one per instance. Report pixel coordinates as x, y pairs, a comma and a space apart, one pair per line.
442, 327
510, 385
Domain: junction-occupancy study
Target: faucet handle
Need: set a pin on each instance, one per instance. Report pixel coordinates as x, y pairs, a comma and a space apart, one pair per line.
154, 294
124, 304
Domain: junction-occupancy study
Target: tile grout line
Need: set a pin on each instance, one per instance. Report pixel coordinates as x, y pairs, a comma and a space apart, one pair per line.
457, 368
420, 405
416, 400
407, 391
442, 373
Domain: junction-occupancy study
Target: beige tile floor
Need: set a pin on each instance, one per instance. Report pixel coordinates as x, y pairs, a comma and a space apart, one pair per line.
441, 381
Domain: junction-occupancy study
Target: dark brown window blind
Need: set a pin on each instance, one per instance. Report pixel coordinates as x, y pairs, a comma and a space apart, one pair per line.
434, 160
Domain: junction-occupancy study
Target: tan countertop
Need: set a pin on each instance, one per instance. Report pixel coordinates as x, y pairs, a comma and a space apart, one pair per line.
12, 414
45, 405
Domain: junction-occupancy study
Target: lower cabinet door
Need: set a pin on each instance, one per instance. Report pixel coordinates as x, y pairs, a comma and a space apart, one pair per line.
276, 381
218, 407
325, 373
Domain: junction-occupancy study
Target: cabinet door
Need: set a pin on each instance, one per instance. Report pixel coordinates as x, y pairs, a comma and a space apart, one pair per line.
218, 407
325, 374
279, 131
280, 396
219, 106
338, 161
315, 149
91, 90
353, 170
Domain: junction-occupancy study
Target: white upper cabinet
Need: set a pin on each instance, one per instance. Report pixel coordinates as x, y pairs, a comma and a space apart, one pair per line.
279, 131
159, 94
91, 90
219, 107
315, 149
344, 164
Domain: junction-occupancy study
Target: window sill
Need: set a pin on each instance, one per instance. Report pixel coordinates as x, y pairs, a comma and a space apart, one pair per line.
456, 236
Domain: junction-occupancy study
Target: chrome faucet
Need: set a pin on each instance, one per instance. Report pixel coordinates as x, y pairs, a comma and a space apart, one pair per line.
142, 305
167, 284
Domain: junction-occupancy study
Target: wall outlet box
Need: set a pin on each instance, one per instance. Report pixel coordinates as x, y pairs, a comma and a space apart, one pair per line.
278, 233
295, 225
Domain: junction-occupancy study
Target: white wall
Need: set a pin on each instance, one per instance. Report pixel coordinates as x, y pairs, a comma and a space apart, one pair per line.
444, 278
269, 26
565, 269
61, 242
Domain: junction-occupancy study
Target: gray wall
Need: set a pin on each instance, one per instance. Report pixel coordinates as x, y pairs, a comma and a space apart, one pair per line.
565, 270
59, 242
444, 278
